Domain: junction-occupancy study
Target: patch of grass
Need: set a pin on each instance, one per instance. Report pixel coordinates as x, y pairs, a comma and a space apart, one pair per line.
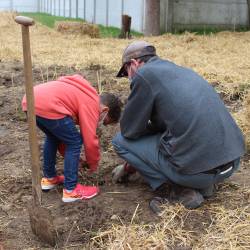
115, 32
49, 21
208, 30
46, 19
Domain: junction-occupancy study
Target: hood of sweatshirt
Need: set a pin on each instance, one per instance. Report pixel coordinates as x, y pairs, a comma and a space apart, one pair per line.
79, 82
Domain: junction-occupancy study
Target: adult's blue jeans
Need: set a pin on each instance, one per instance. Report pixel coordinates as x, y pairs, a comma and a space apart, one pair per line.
144, 155
61, 131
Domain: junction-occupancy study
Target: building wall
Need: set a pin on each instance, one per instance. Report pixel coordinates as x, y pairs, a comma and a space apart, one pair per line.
175, 13
225, 13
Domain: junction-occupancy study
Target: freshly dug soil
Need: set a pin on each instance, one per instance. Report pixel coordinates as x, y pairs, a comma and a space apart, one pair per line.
76, 223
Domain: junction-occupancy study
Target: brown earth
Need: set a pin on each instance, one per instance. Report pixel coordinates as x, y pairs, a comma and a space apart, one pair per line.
77, 224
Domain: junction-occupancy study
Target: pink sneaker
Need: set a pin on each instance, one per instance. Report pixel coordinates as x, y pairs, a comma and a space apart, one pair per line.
48, 184
80, 193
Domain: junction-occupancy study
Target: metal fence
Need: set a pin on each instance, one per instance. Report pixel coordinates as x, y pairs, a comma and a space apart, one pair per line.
175, 14
105, 12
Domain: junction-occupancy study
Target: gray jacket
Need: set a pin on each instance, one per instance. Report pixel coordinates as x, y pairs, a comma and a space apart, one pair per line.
198, 132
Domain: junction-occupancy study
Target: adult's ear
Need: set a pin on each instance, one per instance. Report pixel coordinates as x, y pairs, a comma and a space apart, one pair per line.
134, 61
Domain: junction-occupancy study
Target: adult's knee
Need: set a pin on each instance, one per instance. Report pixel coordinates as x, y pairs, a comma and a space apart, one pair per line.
117, 143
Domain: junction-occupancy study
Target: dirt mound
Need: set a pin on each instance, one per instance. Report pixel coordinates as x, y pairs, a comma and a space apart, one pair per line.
9, 71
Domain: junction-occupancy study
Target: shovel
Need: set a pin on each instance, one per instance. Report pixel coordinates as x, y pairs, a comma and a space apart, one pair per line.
41, 220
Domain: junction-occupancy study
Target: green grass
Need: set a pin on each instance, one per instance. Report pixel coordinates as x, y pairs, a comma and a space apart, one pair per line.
115, 32
209, 30
49, 21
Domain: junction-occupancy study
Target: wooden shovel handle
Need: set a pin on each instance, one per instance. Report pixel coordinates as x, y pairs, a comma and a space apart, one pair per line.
33, 143
24, 20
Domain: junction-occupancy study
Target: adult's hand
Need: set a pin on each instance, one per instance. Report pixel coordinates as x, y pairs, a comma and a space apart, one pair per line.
126, 173
119, 173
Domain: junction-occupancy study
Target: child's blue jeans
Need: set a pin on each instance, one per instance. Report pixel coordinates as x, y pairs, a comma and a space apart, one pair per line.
61, 131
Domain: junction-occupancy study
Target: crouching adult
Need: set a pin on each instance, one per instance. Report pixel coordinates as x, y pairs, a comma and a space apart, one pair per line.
175, 128
59, 106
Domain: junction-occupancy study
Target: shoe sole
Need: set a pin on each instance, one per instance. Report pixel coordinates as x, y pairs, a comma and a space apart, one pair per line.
70, 199
48, 187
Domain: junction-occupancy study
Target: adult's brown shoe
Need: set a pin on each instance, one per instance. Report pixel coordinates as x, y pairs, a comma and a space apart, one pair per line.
189, 197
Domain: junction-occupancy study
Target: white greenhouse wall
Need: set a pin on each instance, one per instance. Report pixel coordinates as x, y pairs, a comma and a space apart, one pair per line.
19, 5
184, 13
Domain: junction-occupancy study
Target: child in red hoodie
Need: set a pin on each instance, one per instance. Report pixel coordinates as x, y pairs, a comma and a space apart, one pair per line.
59, 105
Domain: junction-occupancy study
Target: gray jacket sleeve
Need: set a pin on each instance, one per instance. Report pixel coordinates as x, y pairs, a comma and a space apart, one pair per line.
137, 112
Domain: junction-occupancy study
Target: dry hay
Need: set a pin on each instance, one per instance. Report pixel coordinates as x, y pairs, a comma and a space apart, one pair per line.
91, 29
80, 28
215, 226
68, 26
247, 117
243, 118
222, 58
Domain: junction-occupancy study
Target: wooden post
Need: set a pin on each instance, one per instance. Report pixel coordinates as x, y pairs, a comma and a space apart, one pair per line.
126, 26
152, 15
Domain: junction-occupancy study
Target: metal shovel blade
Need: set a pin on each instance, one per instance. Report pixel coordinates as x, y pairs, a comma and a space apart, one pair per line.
42, 225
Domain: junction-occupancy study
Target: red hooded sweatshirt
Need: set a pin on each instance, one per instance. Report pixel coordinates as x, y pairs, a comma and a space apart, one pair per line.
71, 96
